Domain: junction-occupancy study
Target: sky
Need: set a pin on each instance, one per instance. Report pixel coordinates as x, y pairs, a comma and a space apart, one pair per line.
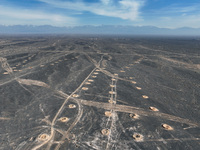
159, 13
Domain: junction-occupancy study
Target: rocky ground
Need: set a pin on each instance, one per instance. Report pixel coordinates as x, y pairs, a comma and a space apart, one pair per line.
114, 93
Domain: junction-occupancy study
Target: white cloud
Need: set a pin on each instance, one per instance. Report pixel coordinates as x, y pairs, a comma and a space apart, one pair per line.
11, 16
106, 2
181, 9
173, 16
124, 9
176, 9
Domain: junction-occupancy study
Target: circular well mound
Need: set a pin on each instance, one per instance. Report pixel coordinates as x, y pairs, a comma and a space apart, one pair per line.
105, 132
167, 127
72, 106
43, 137
64, 119
153, 108
138, 137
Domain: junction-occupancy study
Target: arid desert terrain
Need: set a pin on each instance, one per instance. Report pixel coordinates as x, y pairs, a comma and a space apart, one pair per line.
95, 92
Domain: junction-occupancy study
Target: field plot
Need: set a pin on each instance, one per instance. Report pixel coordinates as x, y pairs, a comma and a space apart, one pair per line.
111, 93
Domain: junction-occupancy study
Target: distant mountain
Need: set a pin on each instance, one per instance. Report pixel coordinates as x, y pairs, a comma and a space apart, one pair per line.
103, 29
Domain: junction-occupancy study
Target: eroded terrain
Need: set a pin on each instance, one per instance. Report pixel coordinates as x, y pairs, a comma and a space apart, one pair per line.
60, 93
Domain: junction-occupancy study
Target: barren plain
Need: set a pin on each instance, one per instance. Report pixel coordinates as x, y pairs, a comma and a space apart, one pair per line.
104, 93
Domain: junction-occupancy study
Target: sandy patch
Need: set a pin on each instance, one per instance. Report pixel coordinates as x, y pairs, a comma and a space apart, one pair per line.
112, 86
90, 80
43, 137
112, 92
87, 83
134, 116
153, 108
108, 113
167, 127
84, 88
138, 137
64, 119
145, 96
72, 106
138, 88
105, 132
133, 82
75, 95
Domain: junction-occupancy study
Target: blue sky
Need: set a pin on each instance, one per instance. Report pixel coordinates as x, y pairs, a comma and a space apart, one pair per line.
160, 13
